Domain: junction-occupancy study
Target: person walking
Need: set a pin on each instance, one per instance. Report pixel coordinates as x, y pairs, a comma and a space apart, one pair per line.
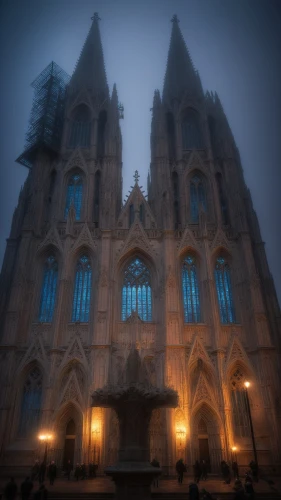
235, 470
204, 469
52, 472
180, 468
197, 472
193, 492
26, 488
42, 472
41, 494
11, 490
68, 469
255, 470
155, 463
77, 472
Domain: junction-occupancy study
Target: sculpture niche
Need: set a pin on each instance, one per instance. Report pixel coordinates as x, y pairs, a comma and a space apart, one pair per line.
133, 402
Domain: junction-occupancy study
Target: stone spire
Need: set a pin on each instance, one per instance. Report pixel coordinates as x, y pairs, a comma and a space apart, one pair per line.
180, 73
158, 136
90, 70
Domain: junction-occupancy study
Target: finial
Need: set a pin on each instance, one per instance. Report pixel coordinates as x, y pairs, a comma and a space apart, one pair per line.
96, 17
175, 19
136, 177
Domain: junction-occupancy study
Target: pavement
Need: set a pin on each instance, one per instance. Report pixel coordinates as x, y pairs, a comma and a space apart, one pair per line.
104, 487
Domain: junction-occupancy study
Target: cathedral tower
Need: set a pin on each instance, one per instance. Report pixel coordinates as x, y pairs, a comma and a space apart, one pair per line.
182, 276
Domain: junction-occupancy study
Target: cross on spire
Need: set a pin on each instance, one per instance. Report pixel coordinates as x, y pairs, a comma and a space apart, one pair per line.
136, 177
96, 17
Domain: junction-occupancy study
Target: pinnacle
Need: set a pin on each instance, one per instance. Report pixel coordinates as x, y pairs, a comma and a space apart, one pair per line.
156, 99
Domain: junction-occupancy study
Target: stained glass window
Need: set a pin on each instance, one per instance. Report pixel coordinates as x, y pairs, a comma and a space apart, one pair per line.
136, 291
31, 403
224, 291
239, 404
48, 291
197, 197
81, 128
190, 290
74, 195
82, 290
191, 132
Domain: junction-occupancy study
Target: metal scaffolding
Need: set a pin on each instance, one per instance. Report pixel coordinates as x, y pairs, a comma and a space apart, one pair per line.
46, 118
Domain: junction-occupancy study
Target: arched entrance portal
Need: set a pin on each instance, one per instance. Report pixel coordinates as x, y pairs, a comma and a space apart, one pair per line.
68, 432
203, 443
69, 443
206, 437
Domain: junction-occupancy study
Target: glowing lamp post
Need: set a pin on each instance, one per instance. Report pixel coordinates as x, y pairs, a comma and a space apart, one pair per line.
234, 450
247, 385
96, 437
45, 438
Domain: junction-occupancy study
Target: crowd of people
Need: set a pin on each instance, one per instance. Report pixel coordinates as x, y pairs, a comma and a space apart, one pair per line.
200, 472
83, 471
26, 490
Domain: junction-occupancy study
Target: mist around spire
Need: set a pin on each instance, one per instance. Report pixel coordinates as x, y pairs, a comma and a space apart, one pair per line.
180, 72
90, 69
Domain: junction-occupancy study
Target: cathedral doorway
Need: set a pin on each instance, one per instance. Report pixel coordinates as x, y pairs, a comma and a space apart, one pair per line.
203, 443
69, 443
206, 437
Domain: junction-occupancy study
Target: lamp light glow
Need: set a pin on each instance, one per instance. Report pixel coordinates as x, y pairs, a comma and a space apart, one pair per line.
247, 384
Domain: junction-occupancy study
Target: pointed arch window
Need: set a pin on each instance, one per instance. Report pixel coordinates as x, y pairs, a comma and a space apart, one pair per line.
74, 195
48, 291
31, 403
82, 290
80, 128
197, 197
136, 291
190, 291
239, 404
191, 130
224, 291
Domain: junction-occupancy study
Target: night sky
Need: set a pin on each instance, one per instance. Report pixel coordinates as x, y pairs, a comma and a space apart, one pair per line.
234, 44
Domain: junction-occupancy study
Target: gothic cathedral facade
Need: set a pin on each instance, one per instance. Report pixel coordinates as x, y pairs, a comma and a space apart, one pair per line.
181, 274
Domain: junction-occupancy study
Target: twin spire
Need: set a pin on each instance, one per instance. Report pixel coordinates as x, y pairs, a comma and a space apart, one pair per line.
90, 69
180, 73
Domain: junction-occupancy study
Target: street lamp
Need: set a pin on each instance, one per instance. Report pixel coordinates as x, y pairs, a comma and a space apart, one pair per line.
247, 385
234, 456
45, 438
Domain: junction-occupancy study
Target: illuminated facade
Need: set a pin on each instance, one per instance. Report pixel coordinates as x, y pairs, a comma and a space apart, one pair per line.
182, 275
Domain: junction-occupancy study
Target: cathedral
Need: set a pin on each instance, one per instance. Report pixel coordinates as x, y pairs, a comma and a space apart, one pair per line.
180, 274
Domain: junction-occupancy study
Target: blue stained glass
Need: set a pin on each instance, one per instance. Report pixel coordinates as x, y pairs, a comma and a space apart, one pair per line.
197, 197
224, 291
82, 290
136, 291
31, 403
48, 291
190, 290
74, 195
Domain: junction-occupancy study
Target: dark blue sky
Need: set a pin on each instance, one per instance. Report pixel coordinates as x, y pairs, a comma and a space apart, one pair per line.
235, 45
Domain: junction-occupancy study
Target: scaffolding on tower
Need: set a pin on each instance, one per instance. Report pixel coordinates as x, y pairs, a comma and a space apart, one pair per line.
47, 113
